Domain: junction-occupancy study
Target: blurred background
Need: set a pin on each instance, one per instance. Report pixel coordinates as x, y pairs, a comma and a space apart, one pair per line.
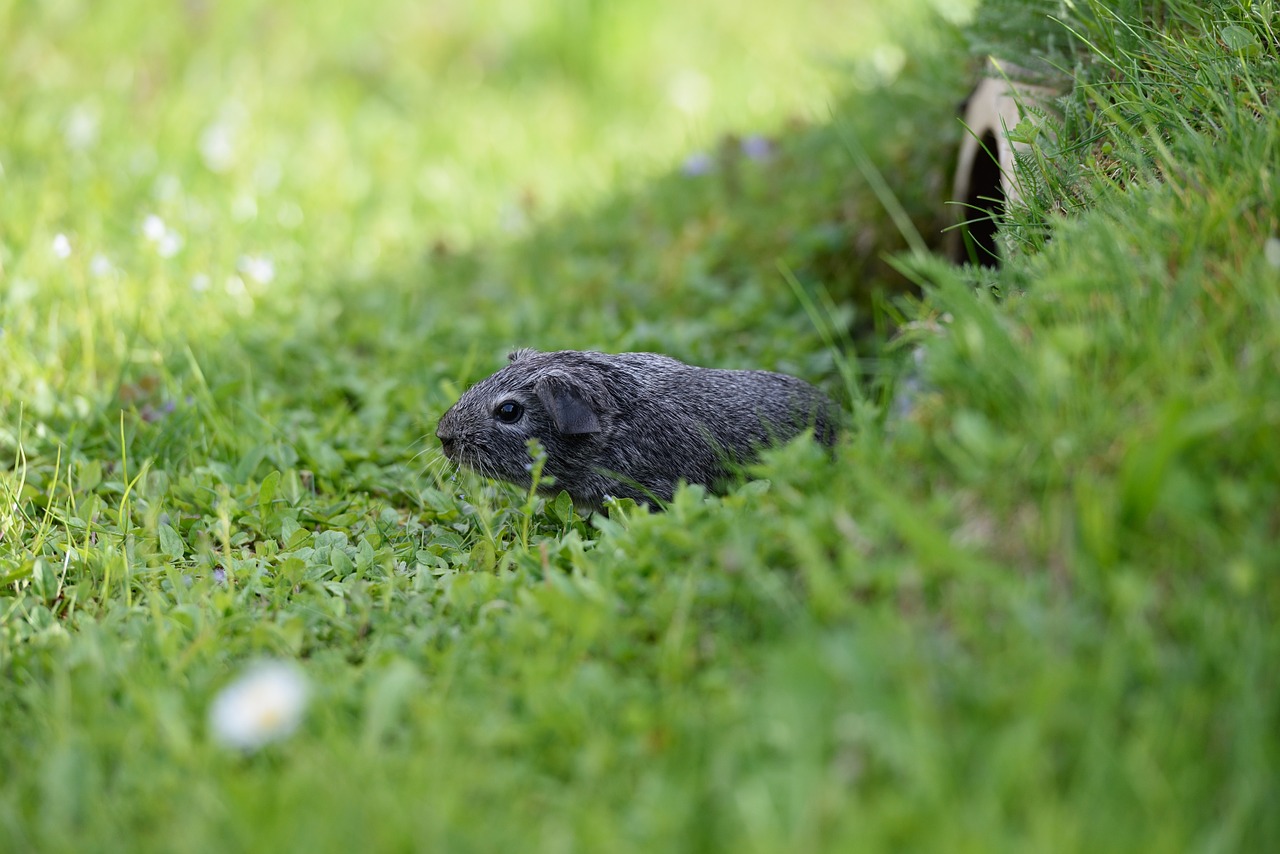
455, 177
472, 107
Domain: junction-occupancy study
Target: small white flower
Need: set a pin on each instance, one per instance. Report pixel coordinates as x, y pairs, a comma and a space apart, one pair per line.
167, 187
512, 219
21, 290
61, 246
690, 91
169, 244
956, 12
200, 282
1271, 251
153, 228
218, 146
263, 705
259, 268
101, 266
81, 128
244, 208
886, 62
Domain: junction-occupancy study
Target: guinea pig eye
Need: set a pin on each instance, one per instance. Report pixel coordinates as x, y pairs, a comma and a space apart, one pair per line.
508, 412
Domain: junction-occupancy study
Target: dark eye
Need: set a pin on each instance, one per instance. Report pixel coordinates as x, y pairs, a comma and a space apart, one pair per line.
508, 412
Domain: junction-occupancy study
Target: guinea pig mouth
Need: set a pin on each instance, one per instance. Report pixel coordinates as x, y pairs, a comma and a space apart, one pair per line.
474, 458
455, 450
459, 453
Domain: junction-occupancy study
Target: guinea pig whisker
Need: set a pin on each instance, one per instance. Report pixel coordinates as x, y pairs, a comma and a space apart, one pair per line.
434, 456
437, 469
426, 451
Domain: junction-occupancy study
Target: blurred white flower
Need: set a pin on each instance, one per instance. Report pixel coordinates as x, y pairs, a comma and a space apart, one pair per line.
1271, 251
243, 208
512, 218
61, 246
153, 228
263, 705
217, 146
200, 282
169, 244
167, 187
257, 267
101, 266
81, 128
690, 91
961, 12
886, 62
21, 290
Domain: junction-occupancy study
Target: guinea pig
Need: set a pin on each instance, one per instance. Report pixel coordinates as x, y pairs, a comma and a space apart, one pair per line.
631, 425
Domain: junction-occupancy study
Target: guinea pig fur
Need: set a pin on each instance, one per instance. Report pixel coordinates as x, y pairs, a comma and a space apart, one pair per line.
631, 425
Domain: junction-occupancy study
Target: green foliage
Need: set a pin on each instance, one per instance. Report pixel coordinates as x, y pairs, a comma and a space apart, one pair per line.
248, 253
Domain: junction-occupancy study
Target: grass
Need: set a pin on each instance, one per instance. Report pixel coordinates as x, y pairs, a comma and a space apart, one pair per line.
1031, 605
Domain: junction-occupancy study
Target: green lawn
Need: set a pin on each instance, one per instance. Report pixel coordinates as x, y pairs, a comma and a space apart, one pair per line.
250, 252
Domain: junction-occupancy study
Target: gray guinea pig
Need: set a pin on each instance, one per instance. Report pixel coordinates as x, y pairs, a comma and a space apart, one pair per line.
628, 426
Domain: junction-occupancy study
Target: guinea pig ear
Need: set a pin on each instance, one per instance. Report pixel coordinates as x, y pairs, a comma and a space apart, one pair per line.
569, 404
518, 354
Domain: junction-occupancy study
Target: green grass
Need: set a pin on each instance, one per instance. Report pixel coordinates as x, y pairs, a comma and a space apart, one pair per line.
1033, 610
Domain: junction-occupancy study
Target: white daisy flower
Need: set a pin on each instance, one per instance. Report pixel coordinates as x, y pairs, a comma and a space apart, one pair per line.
258, 267
153, 228
690, 92
169, 244
264, 704
1271, 251
101, 266
218, 146
61, 246
81, 128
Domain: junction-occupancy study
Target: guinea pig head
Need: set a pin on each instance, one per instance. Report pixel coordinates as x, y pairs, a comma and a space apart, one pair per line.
566, 407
